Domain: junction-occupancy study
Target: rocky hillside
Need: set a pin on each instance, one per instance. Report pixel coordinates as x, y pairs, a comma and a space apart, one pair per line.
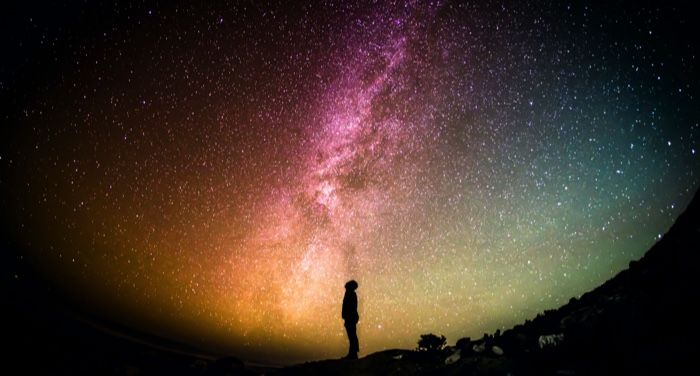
639, 322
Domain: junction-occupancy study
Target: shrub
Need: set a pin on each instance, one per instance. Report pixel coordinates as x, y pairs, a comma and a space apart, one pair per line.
431, 343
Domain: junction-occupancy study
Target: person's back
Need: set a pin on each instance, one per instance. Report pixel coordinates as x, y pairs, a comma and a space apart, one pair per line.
350, 306
351, 318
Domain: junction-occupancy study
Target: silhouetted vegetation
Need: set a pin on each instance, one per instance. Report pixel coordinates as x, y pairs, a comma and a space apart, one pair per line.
431, 343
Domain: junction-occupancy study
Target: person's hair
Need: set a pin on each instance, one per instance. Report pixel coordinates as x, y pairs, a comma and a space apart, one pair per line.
351, 285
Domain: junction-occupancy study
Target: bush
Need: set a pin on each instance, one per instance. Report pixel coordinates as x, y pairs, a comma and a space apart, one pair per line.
431, 343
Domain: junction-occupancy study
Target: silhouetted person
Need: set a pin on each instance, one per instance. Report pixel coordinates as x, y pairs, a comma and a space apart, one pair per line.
351, 318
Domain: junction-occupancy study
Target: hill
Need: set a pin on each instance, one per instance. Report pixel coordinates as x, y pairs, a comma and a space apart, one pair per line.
641, 321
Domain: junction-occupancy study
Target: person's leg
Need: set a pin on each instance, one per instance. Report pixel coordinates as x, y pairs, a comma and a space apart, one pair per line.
355, 343
351, 328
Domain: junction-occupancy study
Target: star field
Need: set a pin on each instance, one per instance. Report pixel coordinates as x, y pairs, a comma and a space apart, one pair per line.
216, 173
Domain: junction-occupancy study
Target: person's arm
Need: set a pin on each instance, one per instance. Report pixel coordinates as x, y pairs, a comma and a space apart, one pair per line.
354, 305
344, 313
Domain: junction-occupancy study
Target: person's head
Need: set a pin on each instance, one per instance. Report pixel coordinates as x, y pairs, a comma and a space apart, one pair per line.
351, 285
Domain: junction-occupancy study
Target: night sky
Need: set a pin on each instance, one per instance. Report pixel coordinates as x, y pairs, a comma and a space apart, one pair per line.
215, 173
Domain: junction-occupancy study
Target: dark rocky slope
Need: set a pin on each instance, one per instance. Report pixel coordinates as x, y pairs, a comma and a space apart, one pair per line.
642, 321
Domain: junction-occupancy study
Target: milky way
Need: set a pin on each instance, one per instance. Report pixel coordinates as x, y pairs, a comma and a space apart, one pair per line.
217, 173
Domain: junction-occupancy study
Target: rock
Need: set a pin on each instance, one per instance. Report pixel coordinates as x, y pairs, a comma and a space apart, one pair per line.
452, 359
463, 343
497, 350
551, 340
